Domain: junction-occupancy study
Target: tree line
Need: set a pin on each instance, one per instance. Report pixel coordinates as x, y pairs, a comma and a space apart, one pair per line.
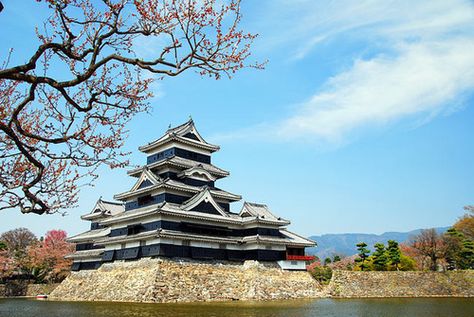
429, 250
40, 260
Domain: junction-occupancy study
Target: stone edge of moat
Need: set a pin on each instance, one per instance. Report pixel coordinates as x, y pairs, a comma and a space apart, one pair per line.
162, 280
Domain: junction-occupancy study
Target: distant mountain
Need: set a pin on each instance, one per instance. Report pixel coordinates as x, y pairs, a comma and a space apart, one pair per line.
344, 243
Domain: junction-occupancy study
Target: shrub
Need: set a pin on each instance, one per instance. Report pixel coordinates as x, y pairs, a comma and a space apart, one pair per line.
322, 274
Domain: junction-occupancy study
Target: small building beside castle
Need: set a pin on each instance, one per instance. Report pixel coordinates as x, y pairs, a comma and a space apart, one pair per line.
175, 210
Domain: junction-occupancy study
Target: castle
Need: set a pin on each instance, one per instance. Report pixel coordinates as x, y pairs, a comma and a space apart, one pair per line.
175, 210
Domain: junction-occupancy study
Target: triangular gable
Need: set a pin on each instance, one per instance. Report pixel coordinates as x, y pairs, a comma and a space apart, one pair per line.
191, 136
203, 198
112, 208
97, 207
103, 208
245, 214
145, 183
185, 132
97, 211
188, 130
147, 178
246, 211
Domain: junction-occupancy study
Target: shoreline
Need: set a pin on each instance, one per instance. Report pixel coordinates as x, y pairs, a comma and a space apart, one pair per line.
244, 301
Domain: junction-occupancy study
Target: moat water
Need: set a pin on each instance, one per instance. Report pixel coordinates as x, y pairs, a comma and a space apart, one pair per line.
419, 307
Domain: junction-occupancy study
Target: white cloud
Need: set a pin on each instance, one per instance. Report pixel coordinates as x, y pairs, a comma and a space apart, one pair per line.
422, 62
422, 78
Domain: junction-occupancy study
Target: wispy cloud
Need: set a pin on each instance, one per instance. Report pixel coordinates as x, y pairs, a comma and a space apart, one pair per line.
423, 78
422, 62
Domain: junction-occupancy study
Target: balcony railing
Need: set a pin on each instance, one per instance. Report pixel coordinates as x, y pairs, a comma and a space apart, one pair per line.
300, 257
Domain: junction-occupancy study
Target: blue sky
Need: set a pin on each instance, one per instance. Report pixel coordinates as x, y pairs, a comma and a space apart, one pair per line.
362, 120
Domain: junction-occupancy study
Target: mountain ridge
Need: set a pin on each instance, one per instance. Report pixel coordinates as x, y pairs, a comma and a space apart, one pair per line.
331, 244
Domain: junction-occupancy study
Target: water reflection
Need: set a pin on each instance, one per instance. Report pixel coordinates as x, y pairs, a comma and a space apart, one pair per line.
321, 307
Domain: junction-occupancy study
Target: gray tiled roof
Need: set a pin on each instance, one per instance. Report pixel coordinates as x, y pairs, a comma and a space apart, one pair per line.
103, 209
184, 163
171, 183
258, 210
89, 235
85, 254
177, 134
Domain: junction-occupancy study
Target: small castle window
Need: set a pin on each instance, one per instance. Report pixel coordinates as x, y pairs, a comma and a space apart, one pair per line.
134, 229
144, 200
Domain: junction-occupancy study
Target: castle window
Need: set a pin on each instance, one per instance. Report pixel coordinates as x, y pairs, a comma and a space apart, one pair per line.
134, 229
144, 200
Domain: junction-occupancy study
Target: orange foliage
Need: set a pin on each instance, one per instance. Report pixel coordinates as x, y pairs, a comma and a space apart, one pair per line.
420, 260
465, 224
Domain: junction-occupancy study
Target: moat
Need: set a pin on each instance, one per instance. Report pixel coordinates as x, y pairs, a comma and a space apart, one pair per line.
433, 307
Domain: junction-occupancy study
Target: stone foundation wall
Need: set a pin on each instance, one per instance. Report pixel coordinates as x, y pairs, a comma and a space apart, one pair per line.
402, 284
35, 289
22, 288
163, 280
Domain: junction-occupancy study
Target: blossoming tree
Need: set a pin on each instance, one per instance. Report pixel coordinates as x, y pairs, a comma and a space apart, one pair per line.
63, 112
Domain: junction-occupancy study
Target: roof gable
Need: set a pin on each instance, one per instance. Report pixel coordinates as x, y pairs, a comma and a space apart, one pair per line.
181, 163
146, 179
191, 136
187, 130
185, 133
203, 202
104, 208
257, 210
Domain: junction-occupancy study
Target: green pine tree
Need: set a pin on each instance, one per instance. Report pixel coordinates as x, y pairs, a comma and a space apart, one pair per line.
453, 240
467, 255
394, 254
379, 257
363, 255
327, 261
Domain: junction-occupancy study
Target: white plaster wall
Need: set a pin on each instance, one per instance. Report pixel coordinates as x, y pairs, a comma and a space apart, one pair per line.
88, 260
292, 265
112, 247
201, 244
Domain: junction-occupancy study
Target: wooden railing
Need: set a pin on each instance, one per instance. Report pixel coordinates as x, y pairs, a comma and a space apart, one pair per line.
300, 257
